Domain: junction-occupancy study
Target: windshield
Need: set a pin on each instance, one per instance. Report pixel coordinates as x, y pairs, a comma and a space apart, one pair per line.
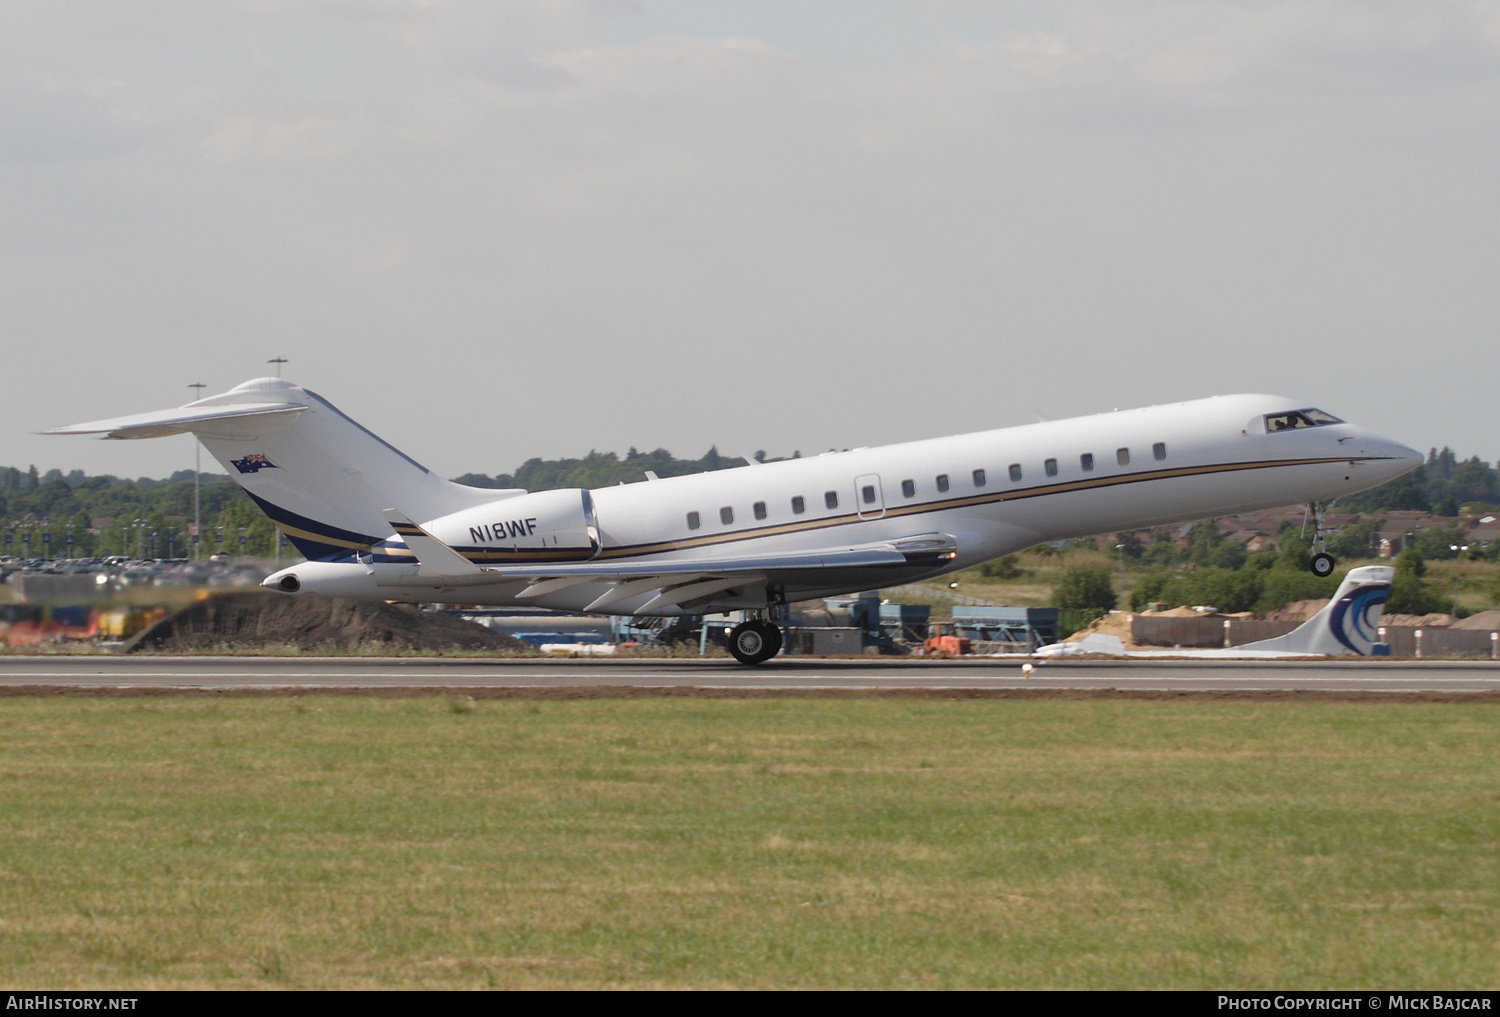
1294, 419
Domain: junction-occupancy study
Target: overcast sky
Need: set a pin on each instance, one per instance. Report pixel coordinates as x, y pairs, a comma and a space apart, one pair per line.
490, 231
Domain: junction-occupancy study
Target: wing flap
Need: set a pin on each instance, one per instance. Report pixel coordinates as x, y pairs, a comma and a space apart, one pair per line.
924, 549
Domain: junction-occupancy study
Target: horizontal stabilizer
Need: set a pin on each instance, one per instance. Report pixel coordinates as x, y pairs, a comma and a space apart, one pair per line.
434, 558
179, 421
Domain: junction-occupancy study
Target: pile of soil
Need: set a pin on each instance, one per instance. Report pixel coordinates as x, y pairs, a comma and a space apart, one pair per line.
1115, 623
254, 618
1417, 621
1297, 610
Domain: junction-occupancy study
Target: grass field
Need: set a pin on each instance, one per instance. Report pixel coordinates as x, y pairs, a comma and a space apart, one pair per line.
348, 842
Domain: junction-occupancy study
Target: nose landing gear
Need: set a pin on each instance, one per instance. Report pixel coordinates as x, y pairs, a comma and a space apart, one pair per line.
755, 641
1322, 561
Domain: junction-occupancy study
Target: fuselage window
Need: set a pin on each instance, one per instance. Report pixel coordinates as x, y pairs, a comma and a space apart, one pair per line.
798, 506
692, 520
978, 478
1015, 472
760, 509
1159, 450
1086, 461
942, 482
1051, 465
1122, 456
908, 489
726, 515
868, 494
831, 499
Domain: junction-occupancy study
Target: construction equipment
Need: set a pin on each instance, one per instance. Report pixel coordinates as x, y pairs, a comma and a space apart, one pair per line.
946, 641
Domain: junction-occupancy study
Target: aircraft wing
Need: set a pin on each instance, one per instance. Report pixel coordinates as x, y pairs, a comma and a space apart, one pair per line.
677, 581
684, 581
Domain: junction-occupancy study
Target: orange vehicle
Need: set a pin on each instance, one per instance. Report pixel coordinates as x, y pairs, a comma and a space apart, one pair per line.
946, 642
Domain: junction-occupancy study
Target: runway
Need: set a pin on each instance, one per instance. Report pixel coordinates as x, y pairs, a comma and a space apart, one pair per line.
796, 675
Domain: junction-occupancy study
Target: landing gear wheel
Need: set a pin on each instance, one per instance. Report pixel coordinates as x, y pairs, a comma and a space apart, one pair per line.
1322, 561
754, 642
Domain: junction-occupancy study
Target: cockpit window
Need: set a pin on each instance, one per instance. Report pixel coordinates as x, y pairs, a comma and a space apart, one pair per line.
1298, 419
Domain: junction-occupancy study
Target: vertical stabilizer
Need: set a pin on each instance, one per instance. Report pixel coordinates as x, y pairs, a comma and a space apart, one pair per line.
1348, 624
322, 478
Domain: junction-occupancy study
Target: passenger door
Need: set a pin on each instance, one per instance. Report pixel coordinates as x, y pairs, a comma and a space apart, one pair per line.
869, 499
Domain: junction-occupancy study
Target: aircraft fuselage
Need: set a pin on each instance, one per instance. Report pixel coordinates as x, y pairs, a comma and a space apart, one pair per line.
988, 494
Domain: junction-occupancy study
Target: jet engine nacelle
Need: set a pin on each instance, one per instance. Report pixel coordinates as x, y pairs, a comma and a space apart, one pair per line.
551, 524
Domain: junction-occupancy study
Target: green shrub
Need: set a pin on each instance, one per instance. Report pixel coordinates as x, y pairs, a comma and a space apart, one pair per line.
1084, 586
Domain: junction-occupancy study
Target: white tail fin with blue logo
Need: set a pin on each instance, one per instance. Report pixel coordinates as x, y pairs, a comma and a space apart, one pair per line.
1348, 624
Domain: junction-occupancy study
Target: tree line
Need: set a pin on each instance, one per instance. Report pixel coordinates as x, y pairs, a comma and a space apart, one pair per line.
606, 469
1442, 485
152, 518
1211, 569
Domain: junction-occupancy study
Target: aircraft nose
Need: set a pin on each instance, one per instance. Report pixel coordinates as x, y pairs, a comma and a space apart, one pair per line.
1397, 460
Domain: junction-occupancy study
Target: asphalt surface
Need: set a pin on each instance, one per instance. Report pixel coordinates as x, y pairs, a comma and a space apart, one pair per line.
125, 675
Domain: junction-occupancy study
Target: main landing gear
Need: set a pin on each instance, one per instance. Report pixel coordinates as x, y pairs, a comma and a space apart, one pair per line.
1322, 561
755, 641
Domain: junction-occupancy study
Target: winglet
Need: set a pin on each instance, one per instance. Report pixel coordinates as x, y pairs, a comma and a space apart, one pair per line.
434, 558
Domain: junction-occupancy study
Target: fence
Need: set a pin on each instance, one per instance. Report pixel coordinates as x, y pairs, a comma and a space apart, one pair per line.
1440, 642
1204, 633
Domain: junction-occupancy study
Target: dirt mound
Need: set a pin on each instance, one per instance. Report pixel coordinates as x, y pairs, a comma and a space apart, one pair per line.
1297, 610
254, 618
1182, 611
1116, 623
1417, 621
1484, 621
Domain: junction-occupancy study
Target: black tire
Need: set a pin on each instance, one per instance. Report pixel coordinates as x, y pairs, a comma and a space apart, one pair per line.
754, 642
773, 638
1322, 565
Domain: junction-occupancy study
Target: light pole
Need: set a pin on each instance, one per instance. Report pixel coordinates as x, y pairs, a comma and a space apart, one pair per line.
1458, 550
197, 468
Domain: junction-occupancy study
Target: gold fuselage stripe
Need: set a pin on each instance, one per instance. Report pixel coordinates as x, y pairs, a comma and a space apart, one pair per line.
541, 556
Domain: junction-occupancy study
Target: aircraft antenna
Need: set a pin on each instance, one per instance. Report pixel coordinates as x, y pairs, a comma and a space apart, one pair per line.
278, 361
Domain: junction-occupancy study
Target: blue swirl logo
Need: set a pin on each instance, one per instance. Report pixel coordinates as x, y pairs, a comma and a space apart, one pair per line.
1357, 615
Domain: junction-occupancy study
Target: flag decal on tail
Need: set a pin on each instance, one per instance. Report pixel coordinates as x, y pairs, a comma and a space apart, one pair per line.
253, 463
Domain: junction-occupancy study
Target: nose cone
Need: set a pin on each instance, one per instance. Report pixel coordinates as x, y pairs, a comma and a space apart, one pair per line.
1403, 459
1389, 459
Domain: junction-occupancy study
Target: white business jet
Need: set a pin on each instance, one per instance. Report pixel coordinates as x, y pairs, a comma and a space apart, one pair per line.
374, 523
